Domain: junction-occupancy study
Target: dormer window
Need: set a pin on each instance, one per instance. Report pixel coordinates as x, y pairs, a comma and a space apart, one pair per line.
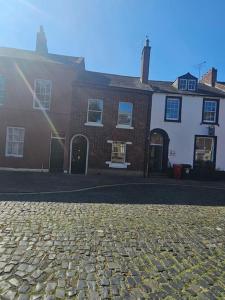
191, 85
183, 84
186, 82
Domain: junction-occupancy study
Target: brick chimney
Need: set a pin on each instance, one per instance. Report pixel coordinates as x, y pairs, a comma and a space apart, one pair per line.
145, 59
41, 42
210, 77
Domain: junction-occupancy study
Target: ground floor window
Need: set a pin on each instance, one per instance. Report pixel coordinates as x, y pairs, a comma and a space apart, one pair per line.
15, 141
205, 149
118, 152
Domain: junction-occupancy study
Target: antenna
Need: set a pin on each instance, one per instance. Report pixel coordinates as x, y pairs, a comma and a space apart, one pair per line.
199, 67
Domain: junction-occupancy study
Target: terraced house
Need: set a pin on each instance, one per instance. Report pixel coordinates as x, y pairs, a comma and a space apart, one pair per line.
57, 116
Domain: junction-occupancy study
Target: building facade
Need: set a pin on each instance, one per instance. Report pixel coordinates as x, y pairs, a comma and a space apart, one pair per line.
187, 123
56, 116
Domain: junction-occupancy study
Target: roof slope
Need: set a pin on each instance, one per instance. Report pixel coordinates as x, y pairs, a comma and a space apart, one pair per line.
34, 56
112, 80
202, 90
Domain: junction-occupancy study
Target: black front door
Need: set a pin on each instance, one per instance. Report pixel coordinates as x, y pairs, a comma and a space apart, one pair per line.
57, 155
156, 158
78, 155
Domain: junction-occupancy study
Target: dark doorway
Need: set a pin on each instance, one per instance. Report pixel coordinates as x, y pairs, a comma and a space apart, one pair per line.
158, 153
57, 155
79, 155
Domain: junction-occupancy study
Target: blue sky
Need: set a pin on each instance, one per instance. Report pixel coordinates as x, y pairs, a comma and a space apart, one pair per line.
110, 33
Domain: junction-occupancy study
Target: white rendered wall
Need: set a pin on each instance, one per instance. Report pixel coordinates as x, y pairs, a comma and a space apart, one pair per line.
182, 135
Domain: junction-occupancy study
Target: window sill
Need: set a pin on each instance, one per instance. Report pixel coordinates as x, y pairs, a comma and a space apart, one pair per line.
124, 127
41, 108
93, 124
173, 121
13, 155
209, 123
117, 165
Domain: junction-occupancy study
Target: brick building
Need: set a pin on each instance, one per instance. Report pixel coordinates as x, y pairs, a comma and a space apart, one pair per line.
56, 116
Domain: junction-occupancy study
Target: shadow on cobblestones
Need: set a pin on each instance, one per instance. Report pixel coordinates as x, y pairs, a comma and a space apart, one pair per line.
131, 194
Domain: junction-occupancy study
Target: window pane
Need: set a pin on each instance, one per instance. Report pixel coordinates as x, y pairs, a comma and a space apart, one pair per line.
209, 113
172, 109
42, 93
96, 105
15, 141
191, 85
156, 139
183, 84
125, 113
118, 152
125, 107
204, 150
94, 116
2, 89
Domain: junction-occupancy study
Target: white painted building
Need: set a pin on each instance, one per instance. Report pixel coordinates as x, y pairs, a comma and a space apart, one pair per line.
187, 122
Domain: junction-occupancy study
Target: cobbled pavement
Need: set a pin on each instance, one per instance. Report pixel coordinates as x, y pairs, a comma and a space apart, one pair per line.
103, 251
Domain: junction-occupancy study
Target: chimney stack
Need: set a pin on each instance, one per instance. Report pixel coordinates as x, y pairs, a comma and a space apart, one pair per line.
210, 77
41, 42
145, 59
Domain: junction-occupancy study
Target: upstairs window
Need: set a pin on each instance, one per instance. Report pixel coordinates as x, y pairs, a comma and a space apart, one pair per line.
2, 90
42, 94
192, 85
95, 109
210, 111
125, 114
173, 109
118, 152
15, 141
183, 84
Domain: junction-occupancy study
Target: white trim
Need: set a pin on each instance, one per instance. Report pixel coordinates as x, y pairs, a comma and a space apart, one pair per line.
128, 143
7, 140
95, 124
35, 98
95, 111
124, 126
109, 141
23, 169
131, 114
117, 165
71, 145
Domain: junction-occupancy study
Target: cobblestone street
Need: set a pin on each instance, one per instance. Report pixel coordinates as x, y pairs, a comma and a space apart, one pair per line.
103, 251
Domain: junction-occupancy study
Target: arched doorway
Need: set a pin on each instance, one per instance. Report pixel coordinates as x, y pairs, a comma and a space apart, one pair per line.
158, 153
79, 147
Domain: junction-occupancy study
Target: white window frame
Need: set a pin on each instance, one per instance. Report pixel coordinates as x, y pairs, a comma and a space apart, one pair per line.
125, 126
2, 89
215, 112
36, 102
7, 141
118, 165
179, 104
191, 81
203, 151
180, 84
97, 124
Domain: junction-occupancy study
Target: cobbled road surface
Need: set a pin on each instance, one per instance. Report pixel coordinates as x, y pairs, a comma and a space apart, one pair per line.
53, 250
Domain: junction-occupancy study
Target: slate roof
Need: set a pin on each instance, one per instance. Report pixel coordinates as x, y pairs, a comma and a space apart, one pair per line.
112, 80
202, 90
34, 56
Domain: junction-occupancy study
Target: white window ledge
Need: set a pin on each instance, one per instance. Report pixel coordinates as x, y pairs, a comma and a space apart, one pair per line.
124, 126
93, 124
117, 165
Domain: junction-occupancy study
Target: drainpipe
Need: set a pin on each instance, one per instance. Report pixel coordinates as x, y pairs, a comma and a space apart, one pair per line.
147, 137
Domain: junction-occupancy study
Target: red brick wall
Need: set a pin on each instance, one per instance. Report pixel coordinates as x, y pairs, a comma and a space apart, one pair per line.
100, 150
18, 109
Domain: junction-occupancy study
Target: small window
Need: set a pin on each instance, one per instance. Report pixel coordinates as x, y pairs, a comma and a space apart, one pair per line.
118, 152
125, 114
42, 94
15, 141
183, 84
95, 109
191, 85
210, 111
173, 109
2, 90
204, 149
